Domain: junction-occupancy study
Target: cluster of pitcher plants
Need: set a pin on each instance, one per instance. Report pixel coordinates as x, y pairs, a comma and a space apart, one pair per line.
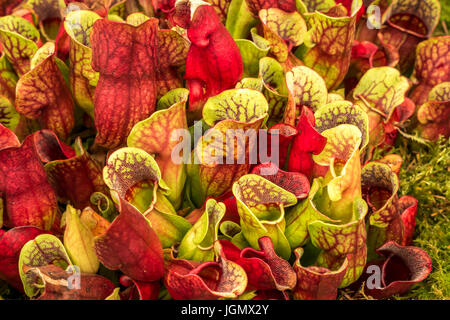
118, 179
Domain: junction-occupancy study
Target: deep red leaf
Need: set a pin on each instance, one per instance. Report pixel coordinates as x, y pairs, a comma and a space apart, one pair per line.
306, 143
265, 270
7, 6
407, 207
231, 213
404, 111
92, 286
402, 268
50, 148
214, 62
139, 290
131, 245
28, 197
191, 280
286, 134
7, 138
11, 243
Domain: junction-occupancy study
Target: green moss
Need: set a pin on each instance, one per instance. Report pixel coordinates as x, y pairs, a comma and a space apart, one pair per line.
425, 174
444, 20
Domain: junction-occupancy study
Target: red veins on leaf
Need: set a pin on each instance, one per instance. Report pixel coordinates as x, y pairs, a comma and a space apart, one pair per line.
256, 5
294, 182
402, 267
125, 57
42, 94
316, 283
28, 196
